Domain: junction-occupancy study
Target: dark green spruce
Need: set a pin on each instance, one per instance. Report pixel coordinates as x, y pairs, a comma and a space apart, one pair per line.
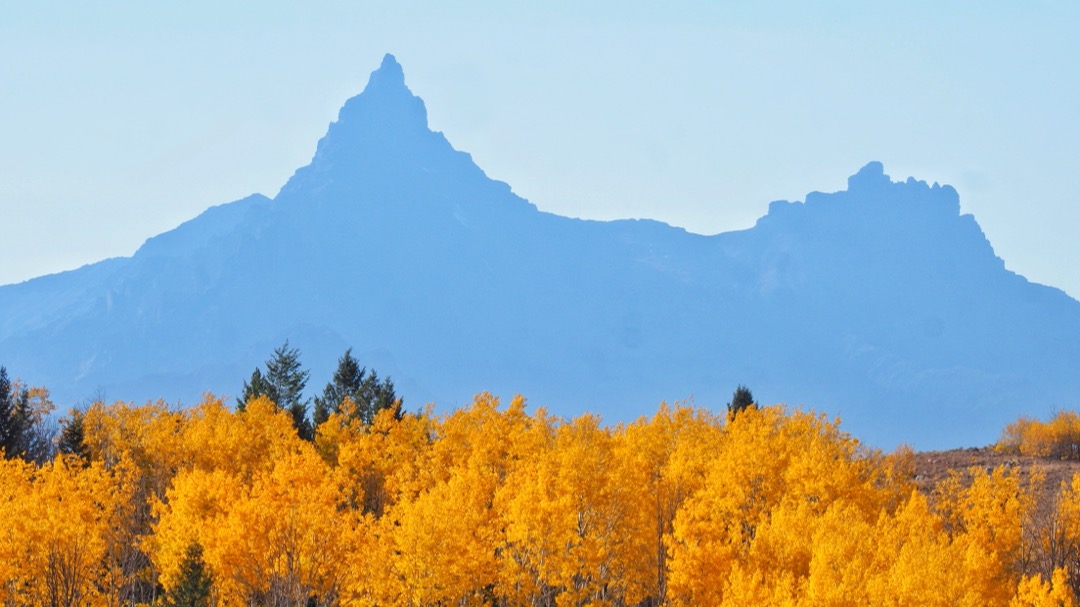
742, 399
283, 383
195, 584
72, 439
15, 418
367, 391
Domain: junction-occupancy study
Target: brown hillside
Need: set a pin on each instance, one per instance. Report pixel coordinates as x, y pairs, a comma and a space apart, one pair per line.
932, 467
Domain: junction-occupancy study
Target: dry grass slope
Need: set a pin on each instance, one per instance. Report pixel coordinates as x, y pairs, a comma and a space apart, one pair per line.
932, 467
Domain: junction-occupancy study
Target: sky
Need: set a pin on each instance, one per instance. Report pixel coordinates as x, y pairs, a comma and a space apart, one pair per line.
119, 120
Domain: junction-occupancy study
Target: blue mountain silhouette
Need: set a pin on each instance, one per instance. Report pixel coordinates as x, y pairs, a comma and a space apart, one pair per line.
881, 303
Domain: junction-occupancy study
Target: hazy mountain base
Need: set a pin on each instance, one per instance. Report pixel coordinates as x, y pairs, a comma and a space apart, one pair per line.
881, 304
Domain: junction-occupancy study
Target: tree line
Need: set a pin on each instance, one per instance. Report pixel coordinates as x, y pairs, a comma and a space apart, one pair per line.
494, 504
26, 428
1058, 437
284, 381
28, 431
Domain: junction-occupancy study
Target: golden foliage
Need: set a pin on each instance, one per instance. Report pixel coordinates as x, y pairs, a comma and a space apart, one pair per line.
56, 520
1057, 438
1034, 591
492, 505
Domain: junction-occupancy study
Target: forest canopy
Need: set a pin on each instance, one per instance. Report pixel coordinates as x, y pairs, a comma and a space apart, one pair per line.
493, 505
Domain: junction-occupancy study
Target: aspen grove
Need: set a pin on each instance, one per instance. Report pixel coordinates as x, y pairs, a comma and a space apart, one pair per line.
493, 505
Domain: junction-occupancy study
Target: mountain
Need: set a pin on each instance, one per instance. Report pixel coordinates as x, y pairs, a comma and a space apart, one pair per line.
881, 303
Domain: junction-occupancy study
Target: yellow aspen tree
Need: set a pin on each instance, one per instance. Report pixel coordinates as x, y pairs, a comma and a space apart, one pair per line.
813, 551
196, 504
340, 427
918, 559
127, 575
825, 472
526, 522
149, 435
1034, 591
444, 545
446, 538
1053, 534
17, 508
284, 539
568, 530
774, 475
985, 518
747, 585
714, 527
1058, 438
244, 443
142, 447
843, 559
665, 457
366, 579
387, 462
72, 507
376, 467
215, 438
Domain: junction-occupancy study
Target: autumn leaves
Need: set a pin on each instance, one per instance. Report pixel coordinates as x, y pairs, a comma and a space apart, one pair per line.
492, 505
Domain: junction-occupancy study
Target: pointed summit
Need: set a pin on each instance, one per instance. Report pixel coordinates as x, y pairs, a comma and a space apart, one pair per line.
374, 130
388, 76
386, 104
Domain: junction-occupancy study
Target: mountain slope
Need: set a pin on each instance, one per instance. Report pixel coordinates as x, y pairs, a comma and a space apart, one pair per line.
881, 303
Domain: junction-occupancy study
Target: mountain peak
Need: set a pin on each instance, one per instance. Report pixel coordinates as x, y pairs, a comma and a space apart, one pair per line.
390, 75
385, 101
913, 196
373, 130
872, 176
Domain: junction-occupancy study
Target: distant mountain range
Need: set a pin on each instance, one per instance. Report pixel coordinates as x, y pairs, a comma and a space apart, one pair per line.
881, 304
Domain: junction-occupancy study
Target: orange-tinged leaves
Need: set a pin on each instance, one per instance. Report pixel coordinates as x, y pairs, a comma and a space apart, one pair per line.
493, 505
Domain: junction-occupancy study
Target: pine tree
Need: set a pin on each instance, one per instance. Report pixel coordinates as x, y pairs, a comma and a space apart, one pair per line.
375, 396
195, 584
346, 382
283, 383
73, 437
254, 387
14, 417
286, 381
353, 381
742, 399
7, 413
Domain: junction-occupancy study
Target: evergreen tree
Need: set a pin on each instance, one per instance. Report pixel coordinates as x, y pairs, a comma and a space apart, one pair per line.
366, 391
286, 381
14, 417
742, 399
73, 437
195, 584
283, 383
254, 387
346, 382
375, 396
321, 411
7, 413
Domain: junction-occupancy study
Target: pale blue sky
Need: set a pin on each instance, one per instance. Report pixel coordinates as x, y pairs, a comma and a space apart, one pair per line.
121, 119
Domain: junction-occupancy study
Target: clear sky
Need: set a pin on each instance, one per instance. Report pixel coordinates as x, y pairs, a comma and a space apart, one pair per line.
121, 119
